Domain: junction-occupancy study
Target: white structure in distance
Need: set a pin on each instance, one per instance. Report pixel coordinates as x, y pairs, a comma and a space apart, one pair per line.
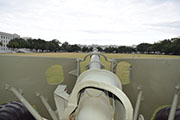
5, 38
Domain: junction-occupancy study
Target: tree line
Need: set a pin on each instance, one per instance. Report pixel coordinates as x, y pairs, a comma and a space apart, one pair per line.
34, 44
167, 46
40, 45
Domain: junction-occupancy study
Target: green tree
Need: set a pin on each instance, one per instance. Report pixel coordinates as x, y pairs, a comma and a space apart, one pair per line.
166, 46
143, 47
56, 44
40, 44
30, 43
17, 43
110, 50
90, 49
37, 44
1, 44
53, 45
13, 44
85, 49
66, 47
125, 49
156, 47
176, 46
99, 49
74, 48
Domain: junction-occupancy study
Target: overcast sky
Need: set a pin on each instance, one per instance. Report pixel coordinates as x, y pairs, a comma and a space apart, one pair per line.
104, 22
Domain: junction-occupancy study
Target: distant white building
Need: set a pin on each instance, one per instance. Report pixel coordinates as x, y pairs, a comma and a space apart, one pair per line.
134, 46
26, 38
5, 38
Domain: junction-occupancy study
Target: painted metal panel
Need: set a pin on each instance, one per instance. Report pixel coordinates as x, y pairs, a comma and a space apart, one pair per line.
158, 78
29, 75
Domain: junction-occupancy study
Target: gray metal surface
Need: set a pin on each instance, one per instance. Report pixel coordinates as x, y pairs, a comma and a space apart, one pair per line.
29, 75
174, 104
94, 62
138, 102
158, 78
29, 107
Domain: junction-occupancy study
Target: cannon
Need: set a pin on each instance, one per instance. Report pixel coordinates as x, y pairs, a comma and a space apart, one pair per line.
94, 94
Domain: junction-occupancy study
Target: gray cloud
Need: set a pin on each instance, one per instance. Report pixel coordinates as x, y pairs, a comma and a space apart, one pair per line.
91, 20
175, 24
83, 14
101, 31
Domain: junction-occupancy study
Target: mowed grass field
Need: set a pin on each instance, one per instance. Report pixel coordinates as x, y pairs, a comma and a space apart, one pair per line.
81, 55
122, 68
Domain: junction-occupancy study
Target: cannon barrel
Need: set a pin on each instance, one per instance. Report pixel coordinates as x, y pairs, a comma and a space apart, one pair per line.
98, 95
94, 103
95, 62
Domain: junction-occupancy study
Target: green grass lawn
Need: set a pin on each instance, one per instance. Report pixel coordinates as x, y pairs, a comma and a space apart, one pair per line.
81, 55
122, 68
